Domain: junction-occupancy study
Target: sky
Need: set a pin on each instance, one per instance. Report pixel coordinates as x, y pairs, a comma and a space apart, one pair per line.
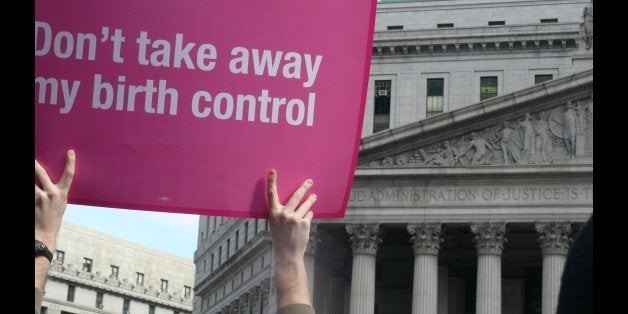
172, 233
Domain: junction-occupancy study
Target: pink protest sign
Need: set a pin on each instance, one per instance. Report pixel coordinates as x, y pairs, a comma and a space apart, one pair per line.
183, 106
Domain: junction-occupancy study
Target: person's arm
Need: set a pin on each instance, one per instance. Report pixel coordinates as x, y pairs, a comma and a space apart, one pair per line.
50, 202
290, 228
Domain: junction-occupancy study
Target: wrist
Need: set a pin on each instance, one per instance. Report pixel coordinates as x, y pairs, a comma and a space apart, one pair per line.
288, 259
42, 260
291, 282
50, 240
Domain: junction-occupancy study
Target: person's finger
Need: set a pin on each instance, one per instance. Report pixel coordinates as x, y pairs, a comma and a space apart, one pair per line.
308, 217
305, 207
297, 196
37, 190
68, 174
271, 187
43, 177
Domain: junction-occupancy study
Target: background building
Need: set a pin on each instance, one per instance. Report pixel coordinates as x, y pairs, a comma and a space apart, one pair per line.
474, 173
93, 272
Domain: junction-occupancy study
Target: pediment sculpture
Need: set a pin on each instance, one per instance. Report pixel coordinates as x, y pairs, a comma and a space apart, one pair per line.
563, 134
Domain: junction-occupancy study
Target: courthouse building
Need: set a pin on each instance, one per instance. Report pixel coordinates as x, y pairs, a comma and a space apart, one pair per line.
474, 172
96, 273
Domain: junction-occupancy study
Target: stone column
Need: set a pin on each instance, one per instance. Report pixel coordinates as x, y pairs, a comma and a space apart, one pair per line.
489, 240
244, 303
426, 242
265, 296
365, 239
254, 301
336, 295
554, 238
308, 258
235, 307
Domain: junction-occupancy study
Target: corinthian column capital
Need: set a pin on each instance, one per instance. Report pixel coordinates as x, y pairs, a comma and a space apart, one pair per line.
489, 237
365, 238
554, 237
425, 237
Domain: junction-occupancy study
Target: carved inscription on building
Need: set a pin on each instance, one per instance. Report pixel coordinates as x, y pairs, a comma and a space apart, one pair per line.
463, 196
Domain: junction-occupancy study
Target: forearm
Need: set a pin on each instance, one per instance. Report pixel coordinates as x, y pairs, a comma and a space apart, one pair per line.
291, 282
41, 273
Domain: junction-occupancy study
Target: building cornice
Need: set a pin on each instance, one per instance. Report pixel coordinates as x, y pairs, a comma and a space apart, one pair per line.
463, 4
83, 308
485, 39
87, 279
536, 171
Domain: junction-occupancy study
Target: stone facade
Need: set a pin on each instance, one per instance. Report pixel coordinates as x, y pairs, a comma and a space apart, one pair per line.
515, 52
471, 209
97, 273
233, 266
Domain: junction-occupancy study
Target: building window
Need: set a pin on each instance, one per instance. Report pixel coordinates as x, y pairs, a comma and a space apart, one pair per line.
114, 272
87, 264
394, 27
175, 312
549, 20
211, 264
187, 291
494, 23
488, 87
246, 232
126, 306
164, 285
99, 297
540, 78
60, 257
70, 296
256, 222
139, 279
219, 255
151, 309
435, 90
228, 247
445, 25
237, 239
381, 120
43, 310
215, 220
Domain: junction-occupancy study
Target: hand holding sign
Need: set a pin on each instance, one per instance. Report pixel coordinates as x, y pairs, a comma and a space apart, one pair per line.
160, 96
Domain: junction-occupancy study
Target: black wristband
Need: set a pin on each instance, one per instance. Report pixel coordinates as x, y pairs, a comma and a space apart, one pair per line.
42, 250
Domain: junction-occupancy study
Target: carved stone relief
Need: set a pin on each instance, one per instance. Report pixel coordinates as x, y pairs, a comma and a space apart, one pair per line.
364, 238
586, 28
553, 136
